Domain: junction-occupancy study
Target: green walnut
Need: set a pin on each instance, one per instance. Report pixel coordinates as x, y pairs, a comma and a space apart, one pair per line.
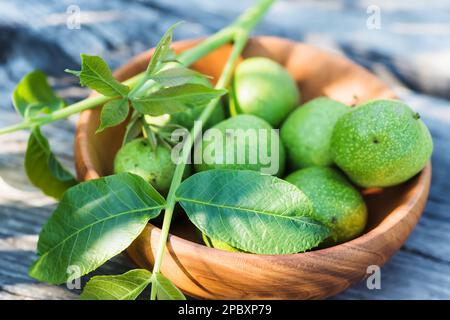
381, 143
243, 142
336, 203
154, 166
265, 89
306, 133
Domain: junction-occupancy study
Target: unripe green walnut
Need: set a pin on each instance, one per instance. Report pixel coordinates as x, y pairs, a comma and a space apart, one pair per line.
154, 166
336, 203
381, 143
306, 133
265, 89
246, 148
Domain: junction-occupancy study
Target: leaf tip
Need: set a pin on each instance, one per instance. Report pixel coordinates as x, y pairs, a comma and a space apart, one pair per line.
73, 72
100, 129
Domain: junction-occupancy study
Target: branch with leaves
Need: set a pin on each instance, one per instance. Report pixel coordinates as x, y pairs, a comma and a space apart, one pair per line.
98, 219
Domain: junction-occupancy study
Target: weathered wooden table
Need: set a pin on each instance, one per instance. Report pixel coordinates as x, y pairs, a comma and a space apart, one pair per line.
407, 51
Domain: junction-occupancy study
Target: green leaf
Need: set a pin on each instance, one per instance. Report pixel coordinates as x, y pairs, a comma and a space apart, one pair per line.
33, 94
175, 99
43, 169
252, 212
76, 73
127, 286
113, 113
96, 75
134, 128
176, 76
151, 137
162, 51
166, 290
93, 222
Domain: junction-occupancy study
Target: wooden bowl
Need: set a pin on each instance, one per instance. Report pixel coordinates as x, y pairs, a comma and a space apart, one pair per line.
211, 273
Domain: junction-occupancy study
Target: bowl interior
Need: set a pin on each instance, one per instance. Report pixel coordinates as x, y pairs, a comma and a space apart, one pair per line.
316, 73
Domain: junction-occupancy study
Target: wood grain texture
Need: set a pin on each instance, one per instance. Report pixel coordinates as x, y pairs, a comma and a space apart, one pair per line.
215, 274
402, 52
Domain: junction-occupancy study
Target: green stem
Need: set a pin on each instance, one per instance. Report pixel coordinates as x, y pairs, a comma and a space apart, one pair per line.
75, 108
241, 29
187, 58
210, 44
245, 22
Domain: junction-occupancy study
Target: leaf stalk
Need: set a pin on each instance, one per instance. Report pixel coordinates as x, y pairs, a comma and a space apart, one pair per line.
240, 31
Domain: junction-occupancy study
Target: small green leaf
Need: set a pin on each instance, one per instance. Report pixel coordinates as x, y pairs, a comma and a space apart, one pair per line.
252, 212
158, 108
175, 99
127, 286
162, 51
166, 290
170, 56
175, 76
33, 92
113, 113
32, 96
96, 75
43, 169
76, 73
134, 128
94, 221
151, 137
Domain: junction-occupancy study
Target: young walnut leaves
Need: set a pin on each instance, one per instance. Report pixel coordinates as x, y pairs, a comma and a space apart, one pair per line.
33, 97
172, 80
43, 169
127, 286
175, 99
250, 211
96, 75
93, 222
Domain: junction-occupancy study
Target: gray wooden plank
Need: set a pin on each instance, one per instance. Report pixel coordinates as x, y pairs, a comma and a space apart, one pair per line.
22, 214
432, 235
406, 276
409, 40
117, 30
